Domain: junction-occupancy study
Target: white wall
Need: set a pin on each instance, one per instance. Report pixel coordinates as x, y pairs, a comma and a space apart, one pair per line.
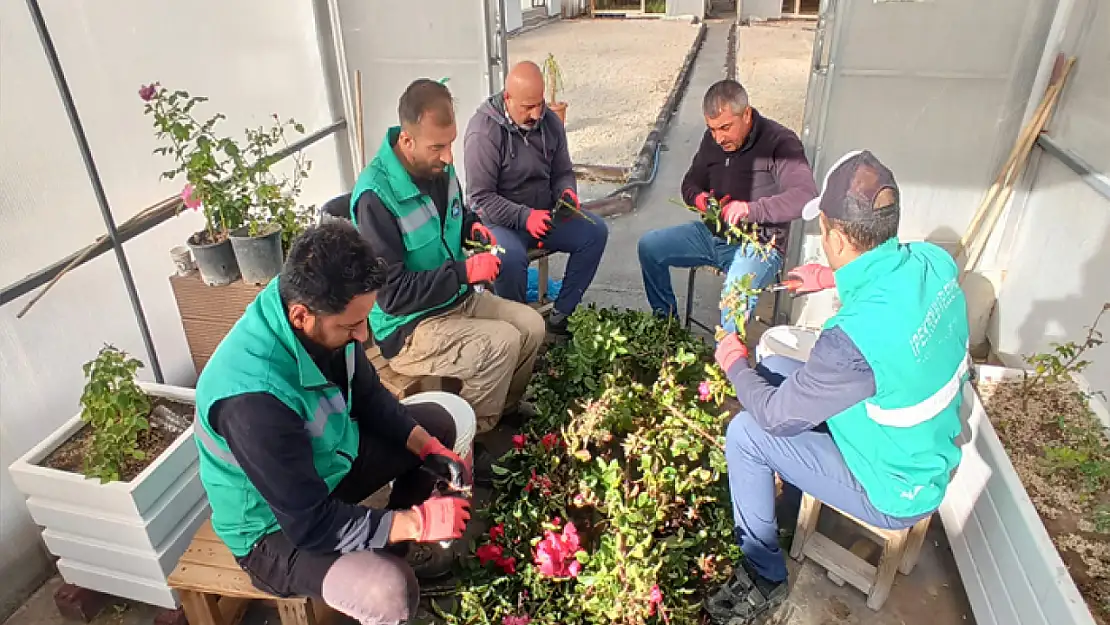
761, 9
514, 16
252, 58
936, 90
1057, 268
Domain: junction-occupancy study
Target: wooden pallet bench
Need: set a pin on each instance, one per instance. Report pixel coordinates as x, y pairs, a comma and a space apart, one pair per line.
215, 591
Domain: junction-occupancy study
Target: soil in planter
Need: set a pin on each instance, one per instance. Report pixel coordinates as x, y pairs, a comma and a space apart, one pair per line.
70, 455
204, 237
1062, 455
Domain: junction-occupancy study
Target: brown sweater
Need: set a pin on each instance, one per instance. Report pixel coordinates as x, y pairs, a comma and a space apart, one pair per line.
769, 171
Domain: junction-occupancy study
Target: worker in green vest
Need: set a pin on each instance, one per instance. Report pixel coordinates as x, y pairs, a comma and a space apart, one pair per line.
433, 315
868, 423
295, 429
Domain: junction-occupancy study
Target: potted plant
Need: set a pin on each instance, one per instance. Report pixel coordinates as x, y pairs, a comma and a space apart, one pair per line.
116, 488
274, 219
1028, 511
553, 79
250, 212
205, 160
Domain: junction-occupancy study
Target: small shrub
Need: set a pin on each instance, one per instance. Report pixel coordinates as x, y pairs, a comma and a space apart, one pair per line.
115, 409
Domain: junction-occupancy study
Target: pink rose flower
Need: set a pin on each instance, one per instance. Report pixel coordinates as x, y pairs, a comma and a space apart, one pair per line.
516, 620
188, 196
655, 599
147, 92
555, 554
703, 391
519, 441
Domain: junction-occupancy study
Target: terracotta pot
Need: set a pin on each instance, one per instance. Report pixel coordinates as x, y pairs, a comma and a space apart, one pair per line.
560, 109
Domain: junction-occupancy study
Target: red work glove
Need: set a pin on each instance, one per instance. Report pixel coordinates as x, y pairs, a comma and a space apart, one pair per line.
539, 222
571, 198
442, 518
813, 277
480, 233
445, 464
730, 351
701, 201
482, 268
735, 211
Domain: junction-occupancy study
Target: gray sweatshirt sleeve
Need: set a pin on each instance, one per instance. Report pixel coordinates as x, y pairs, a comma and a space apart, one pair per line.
835, 377
562, 168
482, 160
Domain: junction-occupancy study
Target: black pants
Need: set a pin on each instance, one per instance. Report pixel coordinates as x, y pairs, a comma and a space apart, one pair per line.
277, 567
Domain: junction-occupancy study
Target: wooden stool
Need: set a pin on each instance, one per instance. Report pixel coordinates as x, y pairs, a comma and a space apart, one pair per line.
900, 550
215, 591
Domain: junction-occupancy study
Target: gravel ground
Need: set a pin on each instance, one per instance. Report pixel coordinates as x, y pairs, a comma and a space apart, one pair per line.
617, 74
773, 63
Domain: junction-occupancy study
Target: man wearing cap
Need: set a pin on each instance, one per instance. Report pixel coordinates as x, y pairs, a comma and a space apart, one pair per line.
758, 170
868, 423
518, 171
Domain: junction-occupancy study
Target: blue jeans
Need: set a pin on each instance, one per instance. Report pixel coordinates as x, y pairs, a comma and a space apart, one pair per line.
583, 240
692, 245
809, 461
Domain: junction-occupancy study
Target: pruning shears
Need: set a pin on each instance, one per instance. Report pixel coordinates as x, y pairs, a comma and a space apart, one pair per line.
789, 285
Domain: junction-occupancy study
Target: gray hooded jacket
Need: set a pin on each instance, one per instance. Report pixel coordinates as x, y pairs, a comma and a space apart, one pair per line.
509, 170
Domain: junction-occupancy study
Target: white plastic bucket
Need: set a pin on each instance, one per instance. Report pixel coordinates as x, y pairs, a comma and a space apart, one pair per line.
466, 424
791, 341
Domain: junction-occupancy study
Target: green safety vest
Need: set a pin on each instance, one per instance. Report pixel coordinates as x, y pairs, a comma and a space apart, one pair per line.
903, 308
261, 354
429, 241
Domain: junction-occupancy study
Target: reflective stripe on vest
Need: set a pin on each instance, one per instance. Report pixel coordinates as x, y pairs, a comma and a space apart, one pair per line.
923, 410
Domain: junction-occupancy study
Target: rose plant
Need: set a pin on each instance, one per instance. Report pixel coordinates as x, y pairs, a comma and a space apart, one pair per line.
612, 505
232, 183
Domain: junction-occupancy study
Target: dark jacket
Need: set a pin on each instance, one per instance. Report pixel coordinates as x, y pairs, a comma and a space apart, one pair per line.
510, 171
769, 171
271, 444
405, 291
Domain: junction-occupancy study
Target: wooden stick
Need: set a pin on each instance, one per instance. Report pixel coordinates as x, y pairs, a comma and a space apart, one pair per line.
1004, 173
359, 129
1013, 174
80, 258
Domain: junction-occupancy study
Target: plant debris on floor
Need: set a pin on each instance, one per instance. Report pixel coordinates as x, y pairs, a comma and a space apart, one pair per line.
613, 505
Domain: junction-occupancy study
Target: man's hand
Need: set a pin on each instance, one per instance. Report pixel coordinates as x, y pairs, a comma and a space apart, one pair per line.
701, 201
539, 222
730, 351
482, 267
479, 233
735, 211
570, 197
445, 464
439, 518
814, 277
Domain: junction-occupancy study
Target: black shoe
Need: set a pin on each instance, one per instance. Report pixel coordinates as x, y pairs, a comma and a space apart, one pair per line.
430, 561
745, 597
557, 324
483, 462
519, 414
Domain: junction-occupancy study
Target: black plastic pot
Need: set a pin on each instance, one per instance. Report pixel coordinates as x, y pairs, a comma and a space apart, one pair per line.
260, 256
216, 261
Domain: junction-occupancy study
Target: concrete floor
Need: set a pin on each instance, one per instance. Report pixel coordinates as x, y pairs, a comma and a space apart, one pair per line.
931, 595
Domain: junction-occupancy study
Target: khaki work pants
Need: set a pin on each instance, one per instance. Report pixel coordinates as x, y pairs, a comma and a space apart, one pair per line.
488, 343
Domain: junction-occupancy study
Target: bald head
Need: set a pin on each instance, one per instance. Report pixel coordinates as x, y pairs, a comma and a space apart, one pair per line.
524, 94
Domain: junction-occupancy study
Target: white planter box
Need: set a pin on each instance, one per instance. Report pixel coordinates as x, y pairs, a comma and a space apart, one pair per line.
1011, 571
120, 538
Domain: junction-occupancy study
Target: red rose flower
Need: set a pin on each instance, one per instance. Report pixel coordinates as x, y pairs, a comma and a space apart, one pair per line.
519, 441
488, 553
497, 531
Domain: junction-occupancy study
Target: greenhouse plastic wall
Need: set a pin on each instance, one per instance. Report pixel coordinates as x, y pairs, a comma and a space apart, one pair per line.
252, 58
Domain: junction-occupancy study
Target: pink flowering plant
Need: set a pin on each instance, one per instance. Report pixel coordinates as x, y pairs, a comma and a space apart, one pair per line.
233, 183
612, 504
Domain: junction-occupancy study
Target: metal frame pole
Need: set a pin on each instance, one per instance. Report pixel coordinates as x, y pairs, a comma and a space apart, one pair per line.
94, 178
